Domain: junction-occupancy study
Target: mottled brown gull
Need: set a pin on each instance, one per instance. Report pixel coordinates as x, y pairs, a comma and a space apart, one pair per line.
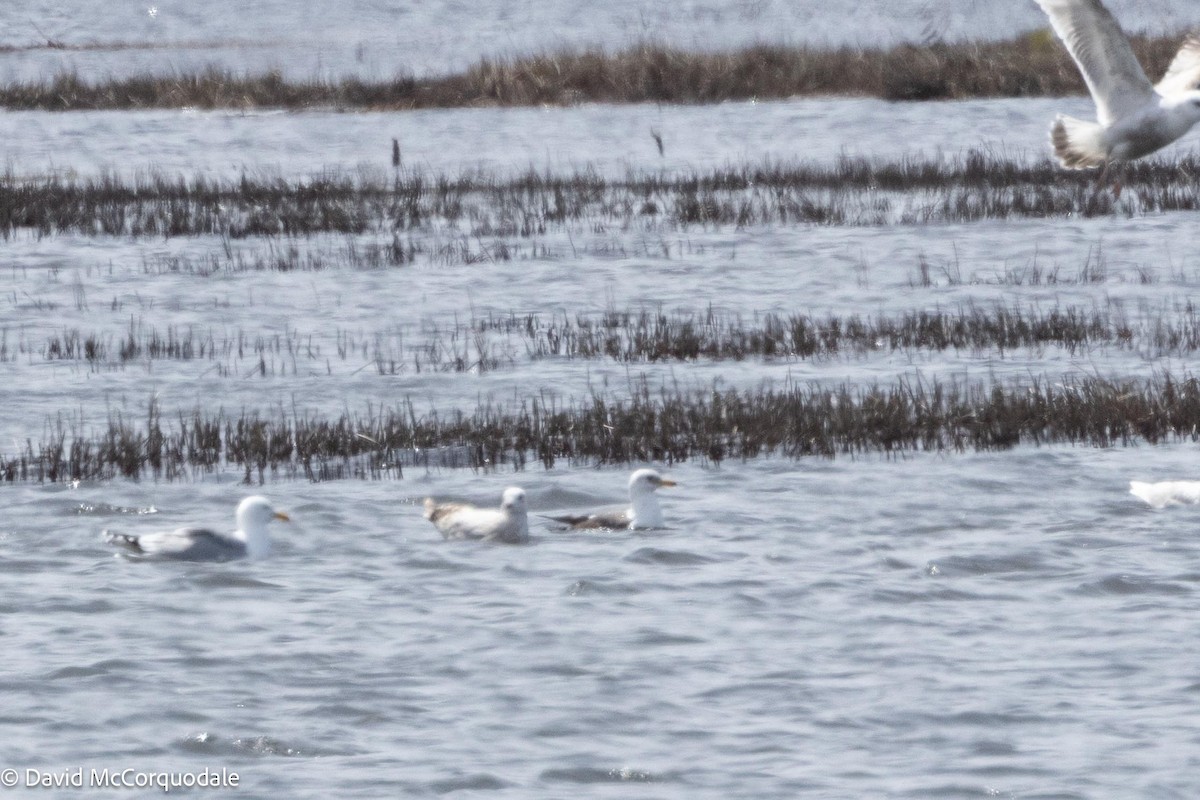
1134, 117
643, 510
509, 523
250, 540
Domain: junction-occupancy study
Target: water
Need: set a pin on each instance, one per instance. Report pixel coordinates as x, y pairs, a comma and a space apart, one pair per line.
379, 39
1000, 625
610, 140
1008, 624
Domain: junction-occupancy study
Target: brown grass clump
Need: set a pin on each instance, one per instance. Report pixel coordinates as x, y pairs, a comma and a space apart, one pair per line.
852, 191
1035, 64
665, 426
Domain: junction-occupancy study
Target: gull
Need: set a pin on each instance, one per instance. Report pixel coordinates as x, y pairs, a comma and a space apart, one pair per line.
250, 540
1134, 117
509, 523
643, 511
1166, 493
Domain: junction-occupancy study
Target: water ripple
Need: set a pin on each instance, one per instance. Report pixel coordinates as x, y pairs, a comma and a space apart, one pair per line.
1124, 585
600, 586
122, 668
479, 782
604, 775
674, 558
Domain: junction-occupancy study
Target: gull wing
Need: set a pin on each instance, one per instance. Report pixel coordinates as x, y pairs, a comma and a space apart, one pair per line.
182, 544
613, 519
1118, 83
1184, 72
199, 544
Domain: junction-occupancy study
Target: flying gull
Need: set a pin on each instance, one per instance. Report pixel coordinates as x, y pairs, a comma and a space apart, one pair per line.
1134, 116
509, 523
643, 511
250, 540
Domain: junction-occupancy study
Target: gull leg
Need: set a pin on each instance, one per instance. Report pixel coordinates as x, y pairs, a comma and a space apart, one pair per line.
1103, 180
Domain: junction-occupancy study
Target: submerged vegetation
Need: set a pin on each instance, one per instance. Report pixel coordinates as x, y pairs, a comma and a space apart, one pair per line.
669, 426
851, 191
1033, 64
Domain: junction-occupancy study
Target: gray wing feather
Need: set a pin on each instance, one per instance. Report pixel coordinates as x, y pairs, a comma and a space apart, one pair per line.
183, 544
1118, 83
199, 544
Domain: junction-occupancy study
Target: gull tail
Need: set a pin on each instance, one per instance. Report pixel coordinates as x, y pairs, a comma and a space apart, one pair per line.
435, 511
1078, 144
123, 540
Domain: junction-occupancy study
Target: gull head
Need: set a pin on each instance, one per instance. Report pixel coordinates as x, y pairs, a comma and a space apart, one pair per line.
253, 515
645, 481
513, 501
255, 512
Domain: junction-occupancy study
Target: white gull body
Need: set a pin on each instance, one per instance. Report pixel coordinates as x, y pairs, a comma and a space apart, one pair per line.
1166, 493
1134, 117
509, 523
250, 540
643, 510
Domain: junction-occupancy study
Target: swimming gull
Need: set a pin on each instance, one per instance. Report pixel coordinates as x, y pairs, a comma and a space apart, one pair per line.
1134, 117
1166, 493
509, 523
643, 511
250, 540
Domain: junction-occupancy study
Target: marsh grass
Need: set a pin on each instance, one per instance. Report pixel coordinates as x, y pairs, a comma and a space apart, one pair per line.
475, 207
667, 426
1031, 65
628, 336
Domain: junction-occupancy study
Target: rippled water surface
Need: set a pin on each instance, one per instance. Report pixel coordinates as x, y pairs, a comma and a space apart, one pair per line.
1004, 624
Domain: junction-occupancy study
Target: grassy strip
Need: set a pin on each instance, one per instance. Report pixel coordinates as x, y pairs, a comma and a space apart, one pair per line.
852, 191
666, 427
275, 255
1031, 65
627, 336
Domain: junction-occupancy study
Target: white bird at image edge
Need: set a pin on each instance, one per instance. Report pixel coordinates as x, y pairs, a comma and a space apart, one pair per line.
1166, 493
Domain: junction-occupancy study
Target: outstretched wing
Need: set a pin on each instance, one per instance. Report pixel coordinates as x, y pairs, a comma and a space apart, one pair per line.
1183, 75
1118, 83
